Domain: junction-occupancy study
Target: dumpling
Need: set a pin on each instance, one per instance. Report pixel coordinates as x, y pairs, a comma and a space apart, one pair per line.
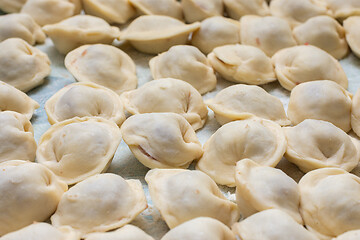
198, 10
242, 64
322, 100
73, 101
100, 203
22, 65
182, 195
355, 113
260, 187
112, 11
16, 137
11, 6
214, 32
351, 26
19, 25
300, 64
271, 224
343, 8
257, 139
171, 8
314, 144
51, 11
270, 34
351, 235
241, 101
330, 202
104, 65
168, 95
323, 32
161, 140
32, 194
238, 8
200, 228
154, 34
127, 232
80, 30
12, 99
186, 63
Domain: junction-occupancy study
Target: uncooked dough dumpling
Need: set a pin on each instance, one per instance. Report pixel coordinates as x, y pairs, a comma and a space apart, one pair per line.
314, 144
355, 113
351, 235
16, 137
242, 64
300, 64
241, 101
104, 65
73, 101
351, 26
270, 34
200, 228
198, 10
322, 100
100, 203
22, 65
171, 8
257, 139
323, 32
343, 9
182, 195
32, 194
186, 63
161, 140
127, 232
80, 30
11, 6
12, 99
154, 34
330, 202
214, 32
238, 8
168, 95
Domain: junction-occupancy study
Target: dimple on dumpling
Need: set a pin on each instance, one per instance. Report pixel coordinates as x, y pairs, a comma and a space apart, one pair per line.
198, 10
32, 193
168, 95
22, 65
100, 203
182, 195
355, 113
351, 26
155, 34
270, 34
238, 8
186, 63
11, 6
161, 140
314, 144
343, 8
242, 64
78, 148
73, 101
350, 235
300, 64
171, 8
127, 232
80, 30
258, 139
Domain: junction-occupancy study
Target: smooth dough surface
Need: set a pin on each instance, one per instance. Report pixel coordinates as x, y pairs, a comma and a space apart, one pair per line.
238, 8
198, 10
11, 6
127, 232
171, 8
355, 113
351, 26
343, 9
351, 235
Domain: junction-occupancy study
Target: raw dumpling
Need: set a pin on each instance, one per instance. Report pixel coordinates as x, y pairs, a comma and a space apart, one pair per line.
182, 195
80, 30
171, 8
127, 232
322, 100
22, 65
242, 64
272, 224
32, 193
241, 101
238, 8
351, 26
200, 228
161, 140
343, 8
186, 63
270, 34
73, 101
16, 137
351, 235
330, 199
314, 144
100, 203
78, 148
113, 11
300, 64
168, 95
257, 139
12, 99
214, 32
198, 10
11, 6
104, 65
323, 32
260, 187
19, 25
51, 11
355, 113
